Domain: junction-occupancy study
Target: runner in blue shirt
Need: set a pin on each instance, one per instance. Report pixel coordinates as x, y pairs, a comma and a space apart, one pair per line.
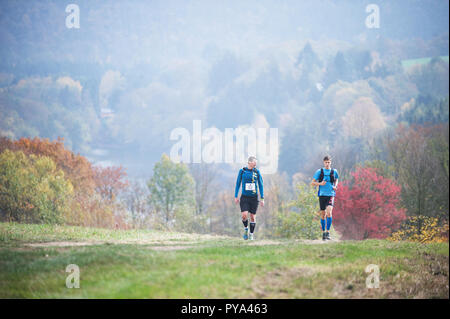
327, 180
251, 181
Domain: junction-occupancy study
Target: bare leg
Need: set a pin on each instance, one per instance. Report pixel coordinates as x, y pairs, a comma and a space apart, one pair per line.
329, 211
322, 214
244, 216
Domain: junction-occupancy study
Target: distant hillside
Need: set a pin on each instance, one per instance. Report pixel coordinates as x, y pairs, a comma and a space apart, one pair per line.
409, 63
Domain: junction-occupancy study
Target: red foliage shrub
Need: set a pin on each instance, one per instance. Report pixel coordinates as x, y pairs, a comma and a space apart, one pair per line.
366, 206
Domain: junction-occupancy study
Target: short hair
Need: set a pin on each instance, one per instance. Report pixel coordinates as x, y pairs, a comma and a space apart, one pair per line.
327, 158
252, 159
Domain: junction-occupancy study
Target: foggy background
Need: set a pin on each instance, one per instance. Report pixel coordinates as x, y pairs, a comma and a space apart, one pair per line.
134, 70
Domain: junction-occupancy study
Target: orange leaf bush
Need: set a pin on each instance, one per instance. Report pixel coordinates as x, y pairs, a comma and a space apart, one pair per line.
95, 189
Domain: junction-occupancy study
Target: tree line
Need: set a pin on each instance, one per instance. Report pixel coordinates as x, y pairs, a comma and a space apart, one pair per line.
401, 196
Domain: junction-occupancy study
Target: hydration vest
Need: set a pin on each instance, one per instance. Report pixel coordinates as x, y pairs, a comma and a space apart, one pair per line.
254, 170
322, 174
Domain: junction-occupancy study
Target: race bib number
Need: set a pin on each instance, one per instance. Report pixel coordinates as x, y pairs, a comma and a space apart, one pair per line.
250, 186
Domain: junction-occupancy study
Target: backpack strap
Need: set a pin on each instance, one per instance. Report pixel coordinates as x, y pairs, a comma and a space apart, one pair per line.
257, 176
321, 175
254, 170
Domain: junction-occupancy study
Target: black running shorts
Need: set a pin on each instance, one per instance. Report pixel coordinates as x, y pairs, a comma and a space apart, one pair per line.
325, 201
249, 204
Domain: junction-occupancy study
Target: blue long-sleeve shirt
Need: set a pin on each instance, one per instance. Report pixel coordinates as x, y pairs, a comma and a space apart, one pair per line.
251, 181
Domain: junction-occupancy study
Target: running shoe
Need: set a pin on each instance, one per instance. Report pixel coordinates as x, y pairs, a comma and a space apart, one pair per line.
251, 236
245, 233
324, 236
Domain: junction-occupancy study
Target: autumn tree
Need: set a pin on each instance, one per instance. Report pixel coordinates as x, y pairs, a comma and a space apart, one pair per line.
299, 218
381, 167
420, 156
77, 168
422, 229
171, 187
226, 219
205, 177
86, 208
135, 199
32, 189
363, 120
277, 193
109, 182
340, 97
94, 190
367, 206
206, 183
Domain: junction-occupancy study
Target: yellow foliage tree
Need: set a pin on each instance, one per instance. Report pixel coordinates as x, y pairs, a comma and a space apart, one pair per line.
32, 189
422, 229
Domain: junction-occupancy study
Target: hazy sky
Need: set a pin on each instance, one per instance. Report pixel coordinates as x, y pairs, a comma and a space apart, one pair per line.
162, 64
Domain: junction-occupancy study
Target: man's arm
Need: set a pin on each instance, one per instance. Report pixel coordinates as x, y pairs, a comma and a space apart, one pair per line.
260, 185
336, 181
316, 183
238, 184
261, 188
336, 184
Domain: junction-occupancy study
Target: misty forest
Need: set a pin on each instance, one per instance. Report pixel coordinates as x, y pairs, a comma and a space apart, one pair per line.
86, 113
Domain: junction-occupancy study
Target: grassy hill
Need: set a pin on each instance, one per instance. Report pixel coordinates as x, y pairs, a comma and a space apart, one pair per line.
151, 264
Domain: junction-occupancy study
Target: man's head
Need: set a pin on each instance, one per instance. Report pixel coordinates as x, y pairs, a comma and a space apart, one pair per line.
252, 162
327, 162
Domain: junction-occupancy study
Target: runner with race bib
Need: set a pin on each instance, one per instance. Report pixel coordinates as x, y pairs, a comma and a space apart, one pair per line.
251, 181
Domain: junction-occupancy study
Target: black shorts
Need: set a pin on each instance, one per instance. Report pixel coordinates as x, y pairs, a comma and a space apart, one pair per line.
249, 204
325, 201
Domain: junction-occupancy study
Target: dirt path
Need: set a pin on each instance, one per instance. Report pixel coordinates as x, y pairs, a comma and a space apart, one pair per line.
171, 245
64, 244
317, 241
159, 245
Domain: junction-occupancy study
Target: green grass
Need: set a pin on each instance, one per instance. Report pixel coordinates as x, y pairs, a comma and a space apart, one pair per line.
149, 264
13, 234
